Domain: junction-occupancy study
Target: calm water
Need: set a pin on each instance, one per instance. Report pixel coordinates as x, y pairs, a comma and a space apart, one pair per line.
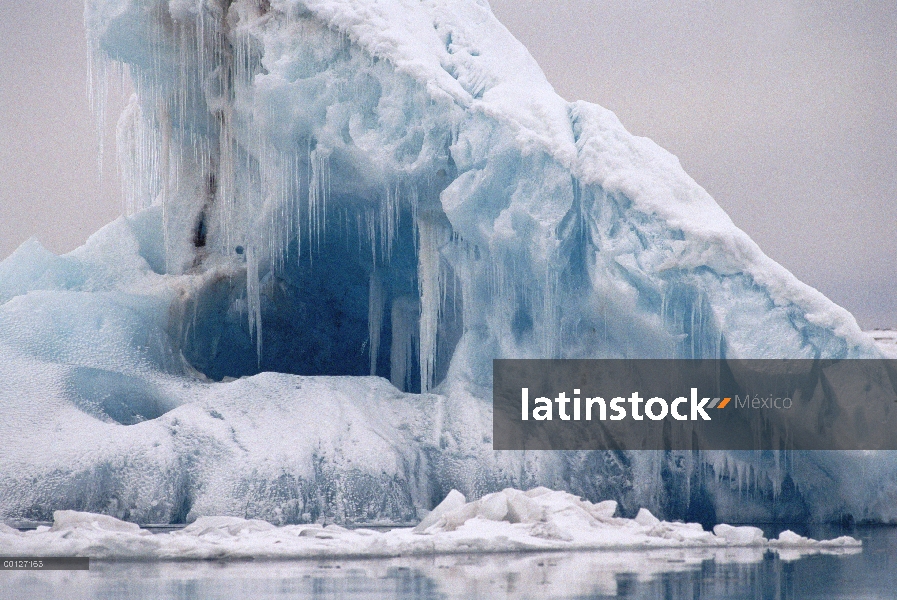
749, 574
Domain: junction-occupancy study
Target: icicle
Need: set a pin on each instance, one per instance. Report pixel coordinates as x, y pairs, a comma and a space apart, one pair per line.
253, 299
405, 312
97, 95
429, 282
318, 185
166, 168
375, 317
372, 236
388, 222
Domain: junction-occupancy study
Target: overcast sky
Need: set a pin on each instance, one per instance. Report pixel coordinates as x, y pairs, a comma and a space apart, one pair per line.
784, 110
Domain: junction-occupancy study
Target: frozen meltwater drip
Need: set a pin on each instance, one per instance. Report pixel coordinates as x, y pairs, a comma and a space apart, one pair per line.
431, 282
375, 318
405, 338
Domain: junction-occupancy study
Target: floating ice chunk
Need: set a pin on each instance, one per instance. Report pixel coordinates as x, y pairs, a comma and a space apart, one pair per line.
70, 520
790, 546
458, 517
538, 491
454, 500
494, 507
491, 524
845, 541
604, 510
522, 508
646, 519
500, 522
227, 526
740, 536
789, 539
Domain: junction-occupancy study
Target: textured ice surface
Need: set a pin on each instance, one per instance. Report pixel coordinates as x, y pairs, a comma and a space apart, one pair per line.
324, 191
510, 520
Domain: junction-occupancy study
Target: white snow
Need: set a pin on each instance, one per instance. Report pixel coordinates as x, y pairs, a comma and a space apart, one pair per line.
507, 521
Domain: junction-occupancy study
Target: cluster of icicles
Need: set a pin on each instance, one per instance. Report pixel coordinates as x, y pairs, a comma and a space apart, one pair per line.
189, 141
182, 126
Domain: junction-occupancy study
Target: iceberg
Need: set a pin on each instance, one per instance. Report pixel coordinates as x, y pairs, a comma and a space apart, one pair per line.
340, 212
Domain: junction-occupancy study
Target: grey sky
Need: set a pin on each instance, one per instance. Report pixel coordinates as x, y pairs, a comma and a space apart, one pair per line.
49, 185
784, 110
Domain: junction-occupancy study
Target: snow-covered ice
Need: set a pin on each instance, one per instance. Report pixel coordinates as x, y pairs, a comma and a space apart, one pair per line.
507, 521
331, 195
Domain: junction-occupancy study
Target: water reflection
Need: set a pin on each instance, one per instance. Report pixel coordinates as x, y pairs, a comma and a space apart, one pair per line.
741, 573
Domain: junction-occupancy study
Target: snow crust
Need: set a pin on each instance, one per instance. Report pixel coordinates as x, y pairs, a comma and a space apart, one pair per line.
507, 521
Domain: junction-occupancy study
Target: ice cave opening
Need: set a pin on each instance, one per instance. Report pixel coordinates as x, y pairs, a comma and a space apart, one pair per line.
337, 305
